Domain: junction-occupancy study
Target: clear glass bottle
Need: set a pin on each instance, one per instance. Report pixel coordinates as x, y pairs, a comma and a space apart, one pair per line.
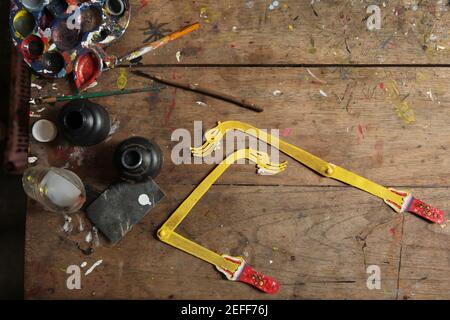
58, 190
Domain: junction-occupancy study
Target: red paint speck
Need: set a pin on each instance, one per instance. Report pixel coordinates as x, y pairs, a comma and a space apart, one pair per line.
143, 3
286, 132
393, 231
361, 130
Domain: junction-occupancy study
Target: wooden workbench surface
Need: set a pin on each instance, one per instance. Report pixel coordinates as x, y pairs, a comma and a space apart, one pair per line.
331, 87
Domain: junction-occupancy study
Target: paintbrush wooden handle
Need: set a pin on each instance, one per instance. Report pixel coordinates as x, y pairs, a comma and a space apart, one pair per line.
158, 43
46, 100
183, 32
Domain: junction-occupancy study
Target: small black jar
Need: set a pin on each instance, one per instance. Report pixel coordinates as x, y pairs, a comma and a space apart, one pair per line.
84, 123
138, 159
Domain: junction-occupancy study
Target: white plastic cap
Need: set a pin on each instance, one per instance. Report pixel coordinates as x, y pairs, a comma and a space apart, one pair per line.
44, 131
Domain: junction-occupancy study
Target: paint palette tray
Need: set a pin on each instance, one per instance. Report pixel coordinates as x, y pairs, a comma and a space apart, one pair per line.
57, 37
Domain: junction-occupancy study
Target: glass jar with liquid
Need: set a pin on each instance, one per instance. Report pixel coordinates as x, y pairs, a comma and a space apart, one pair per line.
58, 190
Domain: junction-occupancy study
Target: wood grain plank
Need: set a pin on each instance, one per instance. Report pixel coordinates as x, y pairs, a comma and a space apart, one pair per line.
295, 32
355, 125
318, 249
315, 248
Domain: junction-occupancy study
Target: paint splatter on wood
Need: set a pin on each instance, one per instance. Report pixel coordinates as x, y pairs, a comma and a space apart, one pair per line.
400, 103
286, 132
122, 79
379, 152
360, 132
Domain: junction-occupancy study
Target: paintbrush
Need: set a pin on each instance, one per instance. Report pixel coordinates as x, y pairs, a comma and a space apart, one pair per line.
110, 61
197, 89
156, 44
92, 95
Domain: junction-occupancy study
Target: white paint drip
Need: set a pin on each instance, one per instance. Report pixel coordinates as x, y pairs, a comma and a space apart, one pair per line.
277, 93
144, 200
323, 93
34, 85
32, 159
274, 5
250, 4
114, 127
201, 103
96, 239
67, 227
80, 224
88, 237
77, 155
95, 265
